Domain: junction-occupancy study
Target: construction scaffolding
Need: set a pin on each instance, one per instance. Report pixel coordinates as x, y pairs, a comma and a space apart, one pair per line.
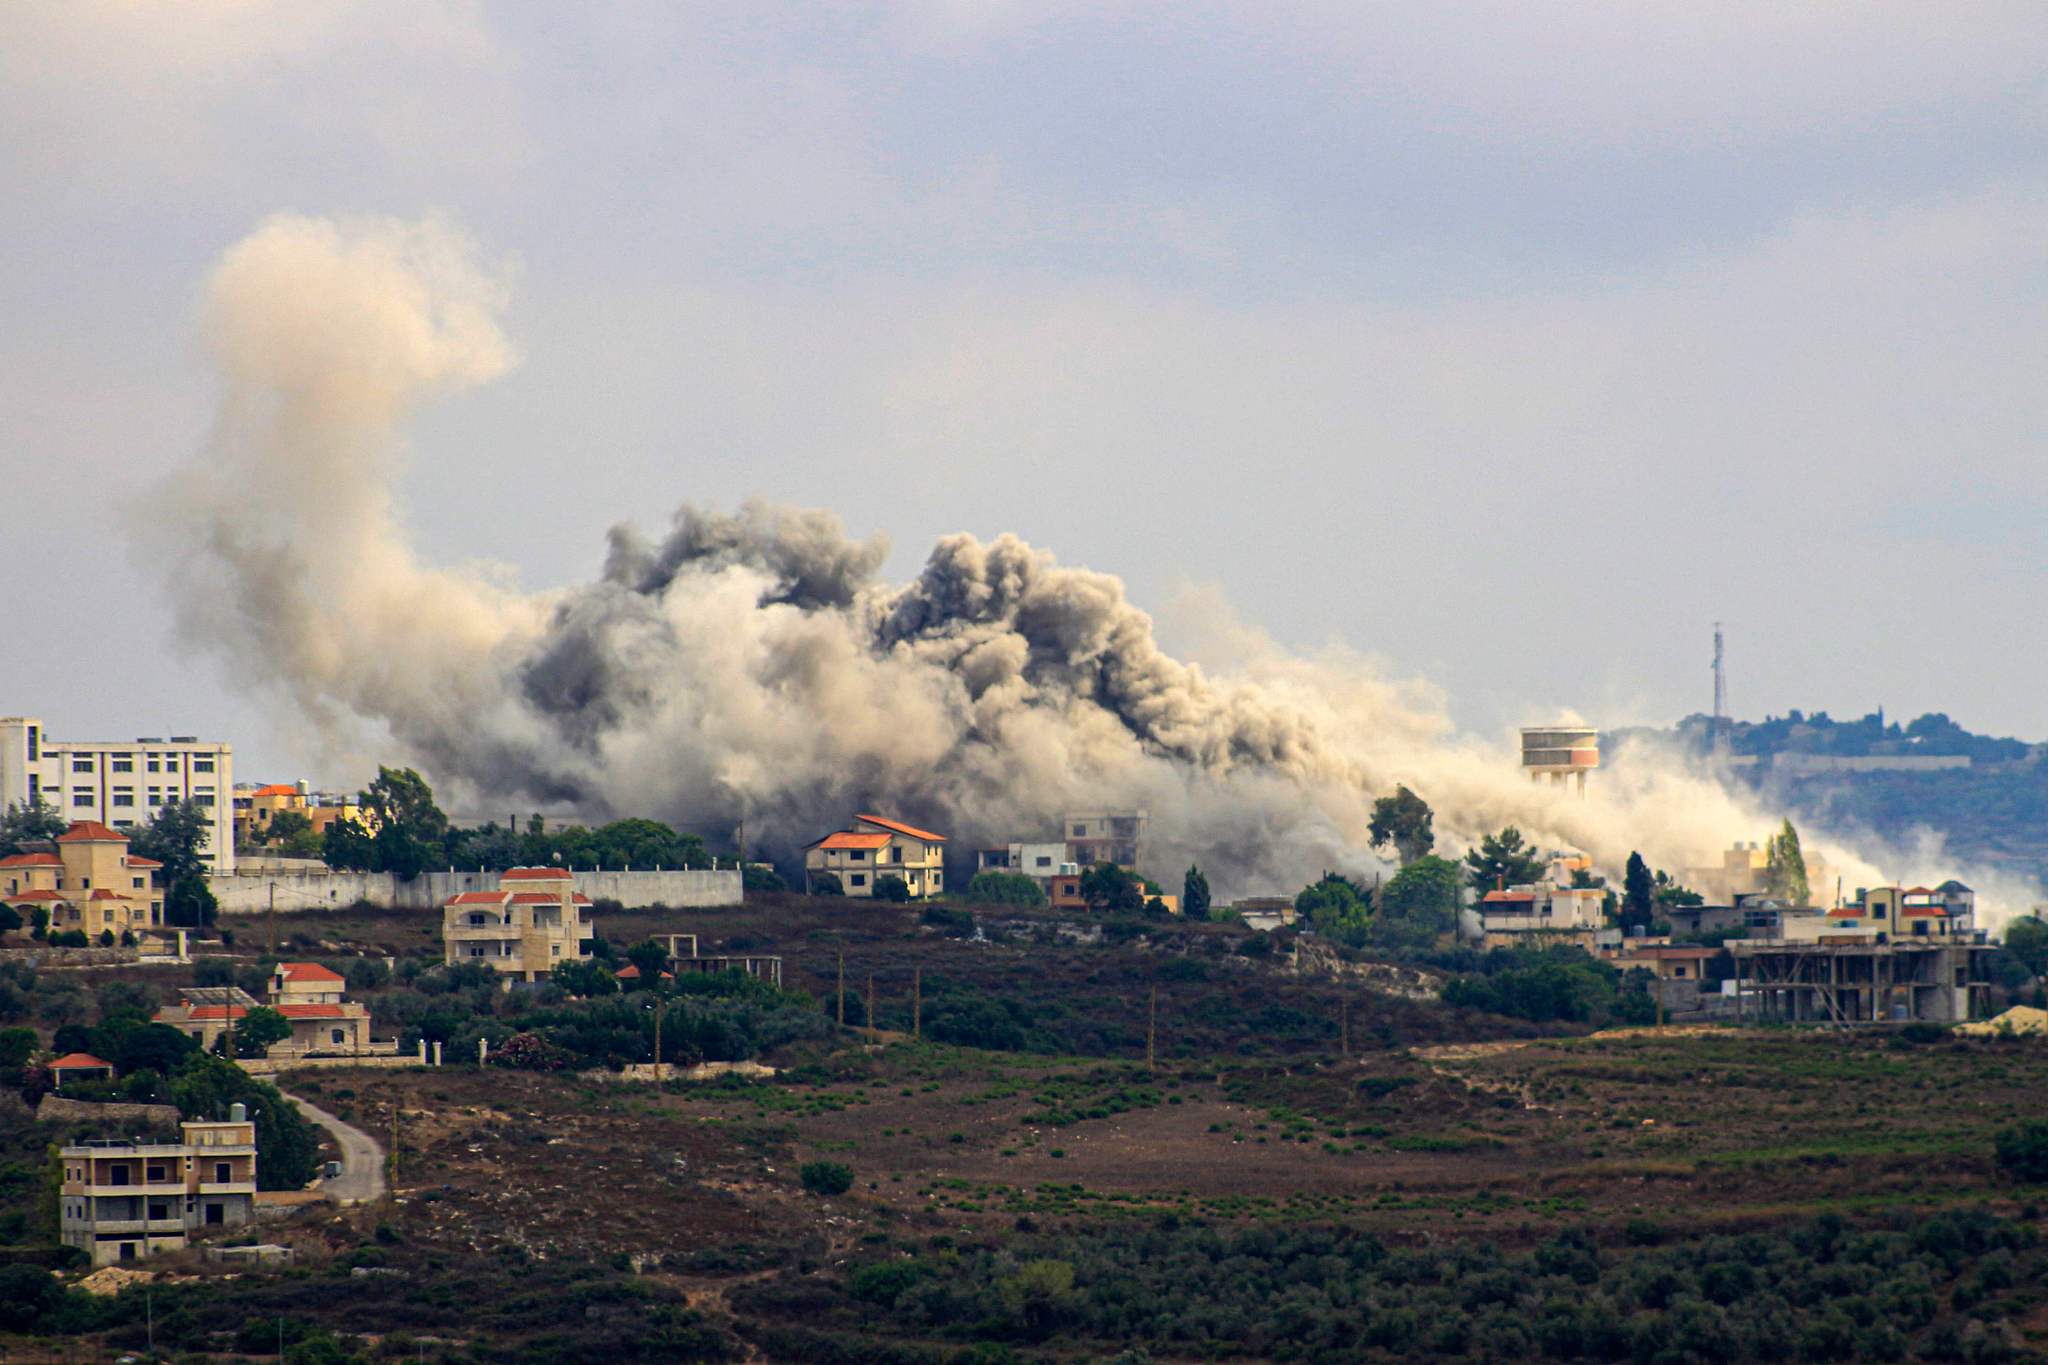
1862, 981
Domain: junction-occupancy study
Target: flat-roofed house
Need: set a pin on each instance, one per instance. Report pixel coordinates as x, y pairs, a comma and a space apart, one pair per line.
126, 1198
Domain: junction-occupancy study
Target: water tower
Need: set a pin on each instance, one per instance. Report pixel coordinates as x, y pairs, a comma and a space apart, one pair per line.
1560, 752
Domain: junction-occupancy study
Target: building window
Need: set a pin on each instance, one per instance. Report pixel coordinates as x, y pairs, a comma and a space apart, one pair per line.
81, 765
202, 797
136, 882
170, 763
859, 879
156, 796
124, 796
1044, 862
81, 797
336, 1035
153, 763
122, 763
202, 765
1080, 831
35, 743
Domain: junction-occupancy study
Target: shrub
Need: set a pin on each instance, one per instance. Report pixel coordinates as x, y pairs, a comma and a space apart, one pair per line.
1004, 888
2023, 1151
826, 1177
26, 1293
890, 887
826, 884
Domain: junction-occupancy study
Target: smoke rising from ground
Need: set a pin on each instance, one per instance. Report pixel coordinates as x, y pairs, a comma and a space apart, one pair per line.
752, 663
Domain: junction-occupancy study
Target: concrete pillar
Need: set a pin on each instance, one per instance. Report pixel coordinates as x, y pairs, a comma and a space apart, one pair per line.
483, 1051
423, 1052
437, 1054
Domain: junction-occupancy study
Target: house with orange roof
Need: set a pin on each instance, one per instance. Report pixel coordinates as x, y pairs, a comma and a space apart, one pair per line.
77, 1067
87, 883
312, 999
535, 921
873, 847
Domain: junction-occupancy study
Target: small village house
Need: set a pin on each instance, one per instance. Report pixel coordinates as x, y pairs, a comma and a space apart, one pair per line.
311, 998
87, 883
874, 847
533, 922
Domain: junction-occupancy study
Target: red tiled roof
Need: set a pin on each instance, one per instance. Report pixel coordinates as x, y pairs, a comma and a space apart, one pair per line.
79, 1061
35, 896
527, 874
1924, 912
478, 898
580, 899
320, 1011
307, 971
1845, 912
31, 860
629, 972
91, 832
276, 789
206, 1014
535, 898
849, 839
912, 830
134, 861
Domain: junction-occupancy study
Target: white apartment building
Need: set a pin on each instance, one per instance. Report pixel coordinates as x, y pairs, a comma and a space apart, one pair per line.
118, 783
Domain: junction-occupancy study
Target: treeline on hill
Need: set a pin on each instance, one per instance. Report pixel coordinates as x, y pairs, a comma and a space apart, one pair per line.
1940, 1287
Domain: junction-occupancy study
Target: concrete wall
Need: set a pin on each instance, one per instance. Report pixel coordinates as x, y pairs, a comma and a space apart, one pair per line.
239, 895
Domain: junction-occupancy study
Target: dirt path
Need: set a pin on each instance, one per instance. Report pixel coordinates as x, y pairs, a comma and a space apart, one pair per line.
362, 1160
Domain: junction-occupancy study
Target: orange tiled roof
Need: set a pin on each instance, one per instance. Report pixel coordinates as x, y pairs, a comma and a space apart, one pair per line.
320, 1011
276, 789
214, 1013
31, 860
1511, 895
1925, 912
629, 972
535, 898
527, 874
79, 1061
101, 893
849, 839
307, 971
912, 830
134, 861
35, 896
478, 898
91, 832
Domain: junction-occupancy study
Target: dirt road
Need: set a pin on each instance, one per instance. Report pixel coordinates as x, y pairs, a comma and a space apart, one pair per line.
362, 1160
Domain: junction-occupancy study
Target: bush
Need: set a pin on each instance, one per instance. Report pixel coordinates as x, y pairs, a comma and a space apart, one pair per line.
890, 887
2023, 1151
825, 884
1004, 888
826, 1177
27, 1292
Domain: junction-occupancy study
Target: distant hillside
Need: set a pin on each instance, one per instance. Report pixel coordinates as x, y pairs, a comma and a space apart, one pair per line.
1987, 796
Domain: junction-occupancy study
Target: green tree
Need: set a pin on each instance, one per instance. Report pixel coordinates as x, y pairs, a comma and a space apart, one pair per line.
826, 884
17, 1045
2027, 939
1106, 886
826, 1177
287, 1149
1669, 892
2023, 1151
27, 1293
348, 847
583, 978
1785, 873
1419, 905
174, 837
9, 920
285, 826
1194, 894
411, 832
1405, 821
1503, 860
258, 1029
150, 1047
25, 823
1335, 907
652, 960
890, 887
1004, 888
1638, 898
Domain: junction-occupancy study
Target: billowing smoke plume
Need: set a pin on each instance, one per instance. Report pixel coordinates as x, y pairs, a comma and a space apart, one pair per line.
751, 664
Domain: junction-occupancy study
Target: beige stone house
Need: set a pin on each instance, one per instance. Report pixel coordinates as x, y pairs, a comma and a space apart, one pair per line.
309, 996
874, 847
89, 883
532, 923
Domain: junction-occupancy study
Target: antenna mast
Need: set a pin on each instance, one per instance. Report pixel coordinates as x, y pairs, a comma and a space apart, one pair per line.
1720, 730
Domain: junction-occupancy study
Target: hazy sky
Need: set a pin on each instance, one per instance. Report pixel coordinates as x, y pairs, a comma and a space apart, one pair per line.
1513, 343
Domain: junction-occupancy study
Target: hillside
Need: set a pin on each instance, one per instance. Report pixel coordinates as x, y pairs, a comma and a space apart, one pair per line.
1985, 796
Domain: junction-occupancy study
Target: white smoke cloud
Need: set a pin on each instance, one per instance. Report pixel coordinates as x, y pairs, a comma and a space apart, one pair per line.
751, 665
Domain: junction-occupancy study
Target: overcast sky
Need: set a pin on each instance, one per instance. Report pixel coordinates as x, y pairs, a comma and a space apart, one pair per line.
1513, 344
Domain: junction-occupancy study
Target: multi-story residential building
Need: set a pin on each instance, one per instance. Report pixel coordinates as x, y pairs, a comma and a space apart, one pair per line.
126, 1198
1946, 911
1550, 906
533, 922
874, 847
1745, 871
119, 783
309, 996
90, 884
1116, 836
1562, 753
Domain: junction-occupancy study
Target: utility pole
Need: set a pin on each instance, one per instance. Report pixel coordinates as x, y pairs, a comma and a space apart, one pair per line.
917, 1003
658, 1003
1152, 1031
842, 988
273, 919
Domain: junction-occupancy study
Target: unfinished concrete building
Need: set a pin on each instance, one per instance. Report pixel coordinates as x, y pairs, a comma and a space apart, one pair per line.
1862, 980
